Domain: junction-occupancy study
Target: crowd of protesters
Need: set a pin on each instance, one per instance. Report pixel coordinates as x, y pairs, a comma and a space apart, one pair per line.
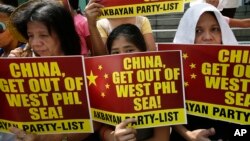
51, 28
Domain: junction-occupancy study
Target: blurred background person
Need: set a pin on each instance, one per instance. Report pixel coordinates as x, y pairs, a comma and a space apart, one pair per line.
81, 27
7, 41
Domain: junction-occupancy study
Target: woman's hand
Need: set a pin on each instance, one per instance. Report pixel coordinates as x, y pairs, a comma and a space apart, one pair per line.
201, 134
22, 135
21, 52
92, 11
124, 133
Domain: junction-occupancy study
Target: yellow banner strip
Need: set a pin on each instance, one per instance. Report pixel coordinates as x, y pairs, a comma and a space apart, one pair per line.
143, 9
50, 127
219, 112
144, 119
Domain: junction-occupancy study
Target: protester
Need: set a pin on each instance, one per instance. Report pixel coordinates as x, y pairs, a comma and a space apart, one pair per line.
132, 40
105, 26
188, 25
81, 25
127, 38
92, 11
7, 41
50, 31
204, 24
60, 40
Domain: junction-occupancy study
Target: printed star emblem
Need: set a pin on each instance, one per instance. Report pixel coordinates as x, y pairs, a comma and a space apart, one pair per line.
107, 86
192, 66
103, 94
100, 67
106, 76
193, 76
186, 84
92, 78
185, 56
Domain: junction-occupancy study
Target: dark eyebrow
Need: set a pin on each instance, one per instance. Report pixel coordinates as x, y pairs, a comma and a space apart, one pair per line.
127, 46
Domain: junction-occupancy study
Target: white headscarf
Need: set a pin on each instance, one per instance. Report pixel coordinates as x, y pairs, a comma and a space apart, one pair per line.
186, 30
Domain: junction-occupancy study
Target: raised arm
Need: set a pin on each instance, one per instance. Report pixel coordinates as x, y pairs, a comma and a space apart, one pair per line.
92, 11
243, 23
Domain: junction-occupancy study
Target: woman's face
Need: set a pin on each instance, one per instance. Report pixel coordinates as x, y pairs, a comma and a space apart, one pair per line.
121, 45
41, 41
208, 30
6, 37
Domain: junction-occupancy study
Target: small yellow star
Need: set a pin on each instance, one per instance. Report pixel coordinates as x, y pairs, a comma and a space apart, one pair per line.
193, 76
92, 78
185, 56
100, 67
103, 94
107, 86
186, 84
192, 66
106, 76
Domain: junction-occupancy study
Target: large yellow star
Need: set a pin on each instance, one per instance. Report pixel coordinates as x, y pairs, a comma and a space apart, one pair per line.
92, 78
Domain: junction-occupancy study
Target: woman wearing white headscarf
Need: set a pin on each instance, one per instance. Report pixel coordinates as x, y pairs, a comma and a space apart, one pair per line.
187, 26
204, 24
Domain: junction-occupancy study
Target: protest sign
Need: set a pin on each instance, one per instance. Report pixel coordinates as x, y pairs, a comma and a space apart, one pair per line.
147, 86
44, 95
124, 8
217, 81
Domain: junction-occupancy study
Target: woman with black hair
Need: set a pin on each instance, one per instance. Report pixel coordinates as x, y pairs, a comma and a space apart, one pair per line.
49, 29
58, 32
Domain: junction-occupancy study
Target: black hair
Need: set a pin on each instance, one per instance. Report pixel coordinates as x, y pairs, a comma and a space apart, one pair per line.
56, 18
75, 6
10, 2
211, 13
7, 9
132, 34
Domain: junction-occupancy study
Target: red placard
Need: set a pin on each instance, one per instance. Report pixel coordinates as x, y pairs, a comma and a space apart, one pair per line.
147, 86
44, 95
217, 81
